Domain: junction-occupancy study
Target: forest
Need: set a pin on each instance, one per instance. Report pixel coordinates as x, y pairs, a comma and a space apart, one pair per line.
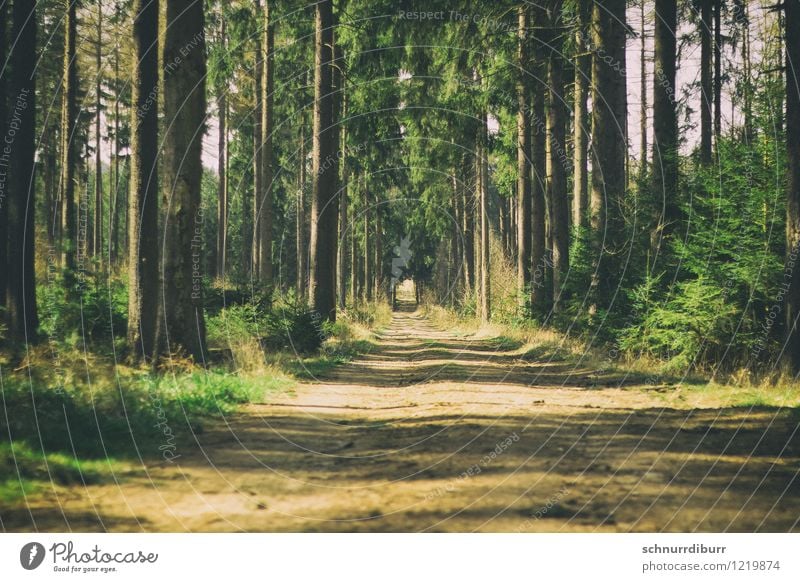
217, 216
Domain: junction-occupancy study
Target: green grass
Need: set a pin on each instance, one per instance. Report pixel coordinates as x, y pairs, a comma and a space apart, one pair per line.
32, 468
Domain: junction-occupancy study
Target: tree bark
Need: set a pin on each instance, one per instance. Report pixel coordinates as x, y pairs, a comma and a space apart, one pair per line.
184, 117
792, 308
665, 123
21, 313
485, 302
557, 174
609, 104
523, 157
583, 71
222, 185
97, 241
643, 94
538, 156
300, 218
258, 152
4, 192
717, 72
265, 218
69, 145
468, 227
706, 89
325, 205
368, 248
143, 192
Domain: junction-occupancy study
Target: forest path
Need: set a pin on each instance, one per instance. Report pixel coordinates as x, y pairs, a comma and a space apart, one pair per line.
436, 432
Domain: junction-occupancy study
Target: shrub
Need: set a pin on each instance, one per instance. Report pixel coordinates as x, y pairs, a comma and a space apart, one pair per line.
692, 326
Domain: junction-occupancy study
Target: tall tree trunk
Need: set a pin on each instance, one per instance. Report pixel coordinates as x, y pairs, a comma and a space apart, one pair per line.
344, 186
468, 227
69, 145
583, 71
523, 156
184, 116
378, 267
538, 156
325, 205
608, 145
748, 79
4, 159
143, 281
792, 23
368, 240
113, 222
222, 185
643, 95
706, 89
258, 151
482, 187
265, 218
717, 72
300, 219
665, 124
354, 264
21, 313
557, 174
97, 242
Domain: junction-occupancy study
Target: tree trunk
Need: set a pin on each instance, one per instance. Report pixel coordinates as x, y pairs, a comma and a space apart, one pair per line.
258, 152
523, 157
4, 160
792, 24
481, 183
143, 282
557, 173
368, 273
468, 228
325, 205
665, 124
538, 158
378, 268
222, 185
113, 222
265, 218
643, 95
21, 314
706, 90
184, 116
300, 219
97, 241
717, 72
583, 71
608, 145
344, 186
69, 144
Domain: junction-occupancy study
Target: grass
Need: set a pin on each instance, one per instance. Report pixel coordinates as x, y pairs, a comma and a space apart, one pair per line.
34, 468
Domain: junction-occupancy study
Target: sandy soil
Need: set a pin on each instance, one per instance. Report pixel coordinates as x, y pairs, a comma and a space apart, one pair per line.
436, 432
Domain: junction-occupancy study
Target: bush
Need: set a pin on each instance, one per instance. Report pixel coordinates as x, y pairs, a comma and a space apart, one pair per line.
292, 325
99, 313
692, 326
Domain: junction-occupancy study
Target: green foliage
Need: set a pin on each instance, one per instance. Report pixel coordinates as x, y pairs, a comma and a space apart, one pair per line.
97, 311
132, 416
691, 326
292, 325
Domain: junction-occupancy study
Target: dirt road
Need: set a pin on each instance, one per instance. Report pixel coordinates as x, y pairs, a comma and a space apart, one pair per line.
435, 432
